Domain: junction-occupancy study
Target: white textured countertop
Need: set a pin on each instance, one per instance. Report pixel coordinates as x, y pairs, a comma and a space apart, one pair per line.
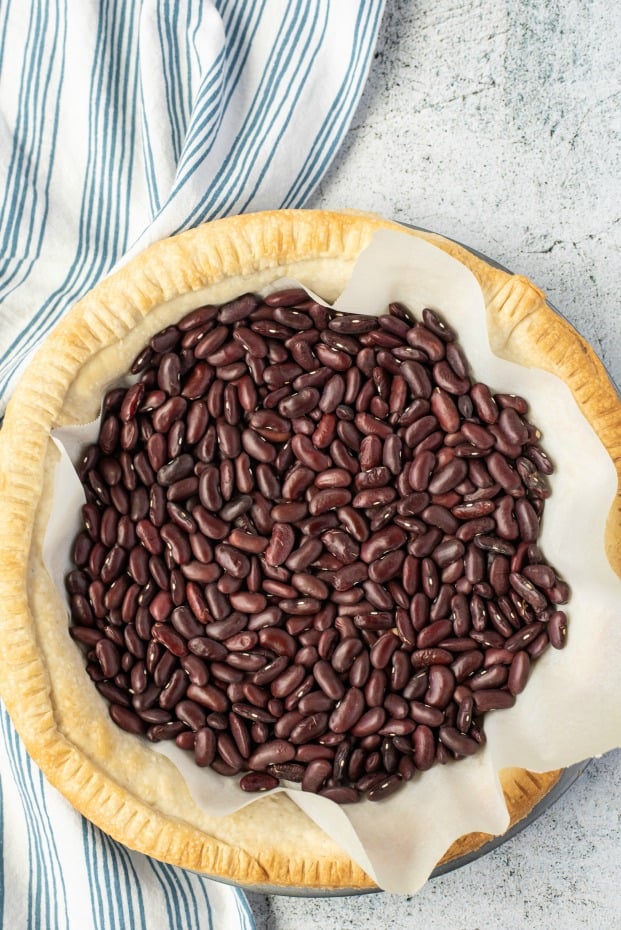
497, 123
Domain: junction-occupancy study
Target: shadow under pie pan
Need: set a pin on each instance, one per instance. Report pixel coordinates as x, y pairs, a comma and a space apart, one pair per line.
124, 788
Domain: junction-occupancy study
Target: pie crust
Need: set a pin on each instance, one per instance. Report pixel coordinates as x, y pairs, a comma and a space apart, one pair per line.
118, 783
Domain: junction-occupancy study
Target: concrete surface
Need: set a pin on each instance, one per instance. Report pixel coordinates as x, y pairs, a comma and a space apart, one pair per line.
497, 123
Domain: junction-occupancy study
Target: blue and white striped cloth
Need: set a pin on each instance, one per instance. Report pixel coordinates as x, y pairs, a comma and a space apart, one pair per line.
123, 121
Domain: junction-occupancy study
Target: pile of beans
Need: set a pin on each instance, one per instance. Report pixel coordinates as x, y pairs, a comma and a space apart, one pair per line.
310, 546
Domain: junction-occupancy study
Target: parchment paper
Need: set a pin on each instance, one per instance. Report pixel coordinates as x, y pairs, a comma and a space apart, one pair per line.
571, 708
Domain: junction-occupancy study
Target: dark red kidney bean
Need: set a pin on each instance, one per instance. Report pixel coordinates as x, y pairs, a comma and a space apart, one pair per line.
310, 585
170, 639
376, 477
506, 524
287, 681
393, 453
287, 297
329, 499
385, 787
333, 394
430, 581
325, 431
316, 774
195, 669
386, 567
211, 342
257, 447
131, 401
421, 469
126, 719
538, 645
344, 654
314, 702
157, 505
232, 560
229, 753
424, 745
441, 686
242, 642
383, 649
445, 410
177, 543
174, 691
493, 699
424, 658
471, 529
416, 686
113, 564
559, 593
478, 435
340, 544
301, 606
185, 623
190, 712
557, 629
342, 457
457, 742
209, 696
248, 602
258, 781
433, 634
300, 403
539, 458
400, 670
484, 402
378, 595
502, 472
370, 722
382, 542
417, 378
527, 520
463, 720
493, 677
306, 453
296, 481
169, 373
374, 620
527, 590
204, 746
197, 382
286, 722
108, 656
448, 477
420, 337
165, 340
280, 545
518, 672
352, 324
348, 711
447, 379
271, 753
513, 426
309, 728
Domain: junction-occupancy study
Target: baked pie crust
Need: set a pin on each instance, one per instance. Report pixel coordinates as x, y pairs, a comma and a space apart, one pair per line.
116, 781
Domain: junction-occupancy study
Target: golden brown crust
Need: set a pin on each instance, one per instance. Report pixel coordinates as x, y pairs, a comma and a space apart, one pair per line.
59, 387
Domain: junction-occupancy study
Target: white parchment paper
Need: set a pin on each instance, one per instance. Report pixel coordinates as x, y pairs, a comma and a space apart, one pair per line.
571, 708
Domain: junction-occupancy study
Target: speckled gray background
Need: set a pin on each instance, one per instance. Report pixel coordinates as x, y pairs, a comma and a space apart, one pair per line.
497, 123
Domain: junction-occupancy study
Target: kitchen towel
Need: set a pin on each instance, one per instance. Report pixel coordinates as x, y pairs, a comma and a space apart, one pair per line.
122, 122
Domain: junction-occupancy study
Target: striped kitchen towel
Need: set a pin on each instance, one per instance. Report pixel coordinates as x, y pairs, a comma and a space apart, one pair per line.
59, 871
123, 121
